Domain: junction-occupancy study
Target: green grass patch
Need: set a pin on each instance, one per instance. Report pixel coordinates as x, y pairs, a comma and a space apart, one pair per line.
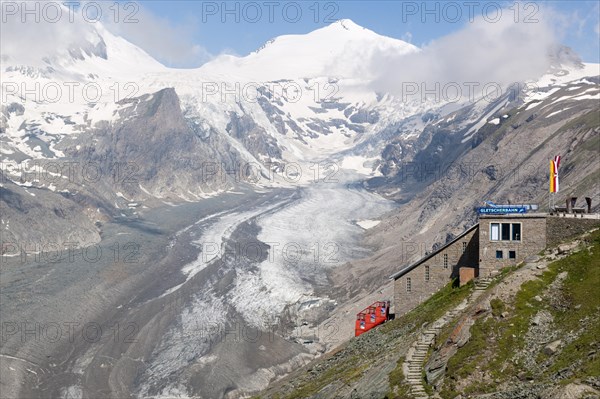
351, 368
432, 309
398, 389
586, 121
581, 290
494, 340
345, 372
498, 307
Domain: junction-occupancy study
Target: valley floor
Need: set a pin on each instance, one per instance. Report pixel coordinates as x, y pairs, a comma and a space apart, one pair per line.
196, 300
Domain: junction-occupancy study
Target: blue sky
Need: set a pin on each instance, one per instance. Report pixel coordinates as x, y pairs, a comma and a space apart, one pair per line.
199, 24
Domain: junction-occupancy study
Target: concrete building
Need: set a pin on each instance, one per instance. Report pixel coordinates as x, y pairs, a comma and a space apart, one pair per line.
497, 241
506, 240
415, 283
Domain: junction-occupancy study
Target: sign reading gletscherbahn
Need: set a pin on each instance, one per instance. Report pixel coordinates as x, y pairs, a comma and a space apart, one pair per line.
501, 210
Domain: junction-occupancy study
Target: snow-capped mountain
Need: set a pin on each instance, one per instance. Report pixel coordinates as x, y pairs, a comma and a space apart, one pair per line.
299, 99
340, 50
96, 135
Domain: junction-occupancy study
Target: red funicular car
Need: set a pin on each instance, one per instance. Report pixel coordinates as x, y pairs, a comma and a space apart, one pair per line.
374, 315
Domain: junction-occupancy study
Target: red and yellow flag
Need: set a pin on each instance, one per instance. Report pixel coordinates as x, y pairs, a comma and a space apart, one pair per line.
554, 164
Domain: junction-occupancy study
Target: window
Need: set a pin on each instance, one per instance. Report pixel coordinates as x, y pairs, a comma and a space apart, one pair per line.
505, 231
427, 275
464, 247
499, 255
512, 254
445, 261
516, 231
408, 285
494, 231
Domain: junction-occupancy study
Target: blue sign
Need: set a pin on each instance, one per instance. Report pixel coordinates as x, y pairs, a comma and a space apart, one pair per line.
501, 210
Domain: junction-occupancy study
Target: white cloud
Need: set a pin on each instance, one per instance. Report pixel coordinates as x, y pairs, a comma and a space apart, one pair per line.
30, 41
172, 44
487, 53
37, 37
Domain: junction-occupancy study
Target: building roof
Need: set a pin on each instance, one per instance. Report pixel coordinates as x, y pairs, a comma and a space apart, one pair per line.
514, 216
408, 268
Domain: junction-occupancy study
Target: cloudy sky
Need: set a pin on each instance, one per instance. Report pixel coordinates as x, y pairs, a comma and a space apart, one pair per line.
210, 28
189, 33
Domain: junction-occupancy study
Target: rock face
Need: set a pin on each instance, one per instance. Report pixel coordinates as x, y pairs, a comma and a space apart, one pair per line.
571, 391
552, 347
44, 221
254, 137
158, 149
151, 151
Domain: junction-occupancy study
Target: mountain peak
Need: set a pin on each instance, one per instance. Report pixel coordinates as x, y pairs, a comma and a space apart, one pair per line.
341, 49
347, 24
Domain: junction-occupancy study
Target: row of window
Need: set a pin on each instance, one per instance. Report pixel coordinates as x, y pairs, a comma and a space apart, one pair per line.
511, 254
499, 255
505, 231
427, 278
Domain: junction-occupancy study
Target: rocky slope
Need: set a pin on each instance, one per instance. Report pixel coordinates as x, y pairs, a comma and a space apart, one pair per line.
505, 162
532, 334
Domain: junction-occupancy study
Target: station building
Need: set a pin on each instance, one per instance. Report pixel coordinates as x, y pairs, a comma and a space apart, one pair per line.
497, 241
